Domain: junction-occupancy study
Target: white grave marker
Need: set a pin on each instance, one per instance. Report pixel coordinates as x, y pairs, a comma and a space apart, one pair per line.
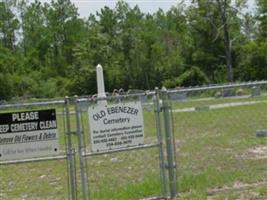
100, 85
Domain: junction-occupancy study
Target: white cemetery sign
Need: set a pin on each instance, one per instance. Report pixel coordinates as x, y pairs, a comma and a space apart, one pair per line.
116, 126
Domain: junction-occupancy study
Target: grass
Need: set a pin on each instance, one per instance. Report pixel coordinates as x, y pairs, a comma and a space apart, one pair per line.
213, 150
148, 187
211, 101
45, 180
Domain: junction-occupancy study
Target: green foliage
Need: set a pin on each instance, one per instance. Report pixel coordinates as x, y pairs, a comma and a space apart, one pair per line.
8, 25
262, 18
49, 51
5, 87
8, 61
192, 77
82, 82
253, 62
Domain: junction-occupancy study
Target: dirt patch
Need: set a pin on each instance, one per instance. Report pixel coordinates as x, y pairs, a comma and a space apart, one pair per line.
236, 186
156, 198
241, 191
257, 153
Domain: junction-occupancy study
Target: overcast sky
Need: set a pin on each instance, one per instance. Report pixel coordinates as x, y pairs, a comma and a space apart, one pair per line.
91, 6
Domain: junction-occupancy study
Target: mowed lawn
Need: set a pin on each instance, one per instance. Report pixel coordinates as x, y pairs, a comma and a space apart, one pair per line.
218, 157
218, 153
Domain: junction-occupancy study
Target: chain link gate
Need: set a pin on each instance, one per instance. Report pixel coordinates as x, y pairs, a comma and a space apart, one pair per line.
131, 172
41, 177
126, 173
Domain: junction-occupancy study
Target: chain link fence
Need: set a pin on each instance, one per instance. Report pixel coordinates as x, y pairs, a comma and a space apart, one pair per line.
205, 142
220, 144
37, 177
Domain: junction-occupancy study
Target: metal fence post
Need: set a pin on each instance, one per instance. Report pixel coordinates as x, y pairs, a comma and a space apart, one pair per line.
70, 153
159, 135
169, 145
81, 149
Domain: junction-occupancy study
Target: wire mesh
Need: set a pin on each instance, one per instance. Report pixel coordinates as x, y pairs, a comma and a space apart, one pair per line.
37, 177
219, 138
218, 149
127, 172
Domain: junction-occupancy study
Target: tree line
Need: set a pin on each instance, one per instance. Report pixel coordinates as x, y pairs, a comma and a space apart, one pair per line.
48, 50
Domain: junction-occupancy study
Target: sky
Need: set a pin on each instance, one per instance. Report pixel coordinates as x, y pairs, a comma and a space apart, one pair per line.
86, 7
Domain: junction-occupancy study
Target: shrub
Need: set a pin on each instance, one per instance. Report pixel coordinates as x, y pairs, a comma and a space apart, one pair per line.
6, 87
191, 77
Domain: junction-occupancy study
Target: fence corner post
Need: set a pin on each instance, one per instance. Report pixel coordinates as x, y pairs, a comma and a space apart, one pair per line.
171, 165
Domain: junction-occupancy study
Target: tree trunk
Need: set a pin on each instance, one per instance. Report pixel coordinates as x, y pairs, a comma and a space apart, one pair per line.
227, 42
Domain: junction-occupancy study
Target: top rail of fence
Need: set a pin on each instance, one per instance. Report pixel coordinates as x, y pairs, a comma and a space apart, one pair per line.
120, 96
26, 104
212, 87
30, 160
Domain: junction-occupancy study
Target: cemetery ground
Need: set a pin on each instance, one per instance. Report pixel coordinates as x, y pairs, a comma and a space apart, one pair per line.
218, 157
